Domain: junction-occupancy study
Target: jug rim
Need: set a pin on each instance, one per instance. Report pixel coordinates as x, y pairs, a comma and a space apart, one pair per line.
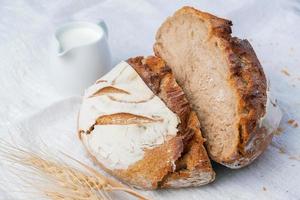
78, 24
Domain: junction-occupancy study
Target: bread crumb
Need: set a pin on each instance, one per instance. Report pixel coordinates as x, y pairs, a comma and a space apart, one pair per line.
294, 158
264, 189
280, 149
278, 131
293, 123
284, 71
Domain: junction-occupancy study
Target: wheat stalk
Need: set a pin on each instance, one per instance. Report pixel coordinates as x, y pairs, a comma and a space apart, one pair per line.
58, 180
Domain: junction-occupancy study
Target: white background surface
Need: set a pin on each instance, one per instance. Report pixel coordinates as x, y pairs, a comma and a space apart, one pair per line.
30, 107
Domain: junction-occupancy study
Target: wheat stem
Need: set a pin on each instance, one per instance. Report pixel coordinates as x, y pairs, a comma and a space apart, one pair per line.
58, 180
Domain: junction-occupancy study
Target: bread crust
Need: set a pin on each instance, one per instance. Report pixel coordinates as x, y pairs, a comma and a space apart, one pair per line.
194, 161
181, 161
247, 80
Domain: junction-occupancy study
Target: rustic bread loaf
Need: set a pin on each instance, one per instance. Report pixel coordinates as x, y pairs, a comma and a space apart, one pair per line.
223, 81
137, 124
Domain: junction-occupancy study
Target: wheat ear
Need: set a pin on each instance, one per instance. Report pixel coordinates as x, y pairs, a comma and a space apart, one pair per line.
58, 180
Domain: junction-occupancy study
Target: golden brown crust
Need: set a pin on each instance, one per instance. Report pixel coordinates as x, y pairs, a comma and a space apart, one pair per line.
125, 119
107, 90
250, 82
193, 163
156, 163
149, 172
193, 156
247, 79
159, 78
181, 158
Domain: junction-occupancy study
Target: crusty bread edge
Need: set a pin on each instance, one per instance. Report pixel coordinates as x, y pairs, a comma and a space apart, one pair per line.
155, 66
198, 173
251, 99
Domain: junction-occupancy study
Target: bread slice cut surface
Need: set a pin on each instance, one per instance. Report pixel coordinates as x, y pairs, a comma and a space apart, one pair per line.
223, 81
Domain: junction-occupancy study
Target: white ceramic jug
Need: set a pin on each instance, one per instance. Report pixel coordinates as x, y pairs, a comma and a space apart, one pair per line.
81, 56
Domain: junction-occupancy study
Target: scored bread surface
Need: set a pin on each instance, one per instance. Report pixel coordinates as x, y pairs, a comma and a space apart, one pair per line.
245, 77
180, 161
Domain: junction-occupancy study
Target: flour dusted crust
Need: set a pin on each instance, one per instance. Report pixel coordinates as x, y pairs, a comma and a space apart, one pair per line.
247, 80
181, 160
193, 168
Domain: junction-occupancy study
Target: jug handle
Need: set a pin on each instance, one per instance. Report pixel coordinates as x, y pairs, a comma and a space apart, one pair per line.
103, 25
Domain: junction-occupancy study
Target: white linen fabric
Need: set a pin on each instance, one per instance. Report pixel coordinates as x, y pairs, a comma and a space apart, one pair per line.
32, 111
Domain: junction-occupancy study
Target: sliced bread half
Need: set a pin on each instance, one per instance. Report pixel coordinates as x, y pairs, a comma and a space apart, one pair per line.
137, 124
222, 79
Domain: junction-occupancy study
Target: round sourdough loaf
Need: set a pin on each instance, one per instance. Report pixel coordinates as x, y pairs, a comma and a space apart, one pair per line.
136, 123
224, 83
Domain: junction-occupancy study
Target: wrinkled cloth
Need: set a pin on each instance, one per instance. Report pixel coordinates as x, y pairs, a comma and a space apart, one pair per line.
32, 111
